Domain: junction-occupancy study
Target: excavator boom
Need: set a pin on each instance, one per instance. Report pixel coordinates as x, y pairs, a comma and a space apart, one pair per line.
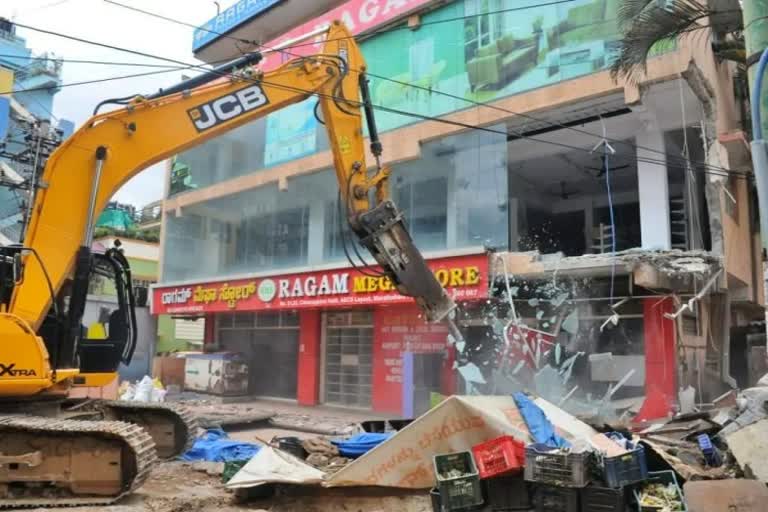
44, 282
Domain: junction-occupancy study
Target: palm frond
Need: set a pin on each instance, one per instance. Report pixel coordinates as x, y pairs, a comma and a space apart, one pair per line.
657, 21
629, 9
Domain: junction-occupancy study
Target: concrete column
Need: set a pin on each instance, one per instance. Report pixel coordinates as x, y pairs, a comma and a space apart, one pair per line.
308, 369
653, 189
316, 237
452, 221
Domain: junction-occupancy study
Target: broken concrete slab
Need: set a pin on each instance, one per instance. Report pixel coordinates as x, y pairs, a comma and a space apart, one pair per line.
726, 496
749, 448
214, 420
752, 408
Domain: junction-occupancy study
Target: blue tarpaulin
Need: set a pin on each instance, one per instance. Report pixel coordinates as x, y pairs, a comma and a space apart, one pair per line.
360, 444
538, 424
215, 446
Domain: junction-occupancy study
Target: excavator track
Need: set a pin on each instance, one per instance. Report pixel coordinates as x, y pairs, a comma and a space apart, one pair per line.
172, 427
64, 450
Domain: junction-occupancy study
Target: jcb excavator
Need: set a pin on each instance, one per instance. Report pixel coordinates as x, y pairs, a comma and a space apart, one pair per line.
47, 458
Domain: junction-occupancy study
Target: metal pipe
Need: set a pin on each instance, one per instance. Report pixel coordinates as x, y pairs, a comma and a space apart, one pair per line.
101, 155
218, 72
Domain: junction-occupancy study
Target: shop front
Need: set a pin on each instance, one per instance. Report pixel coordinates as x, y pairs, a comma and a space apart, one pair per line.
335, 336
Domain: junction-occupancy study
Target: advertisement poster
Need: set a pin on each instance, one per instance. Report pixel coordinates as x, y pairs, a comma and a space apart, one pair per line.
401, 329
291, 133
503, 48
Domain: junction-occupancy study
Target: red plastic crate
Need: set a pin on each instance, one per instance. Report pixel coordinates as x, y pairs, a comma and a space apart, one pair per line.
501, 456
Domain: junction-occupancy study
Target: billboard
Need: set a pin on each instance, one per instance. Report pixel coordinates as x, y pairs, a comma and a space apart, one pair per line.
482, 50
228, 19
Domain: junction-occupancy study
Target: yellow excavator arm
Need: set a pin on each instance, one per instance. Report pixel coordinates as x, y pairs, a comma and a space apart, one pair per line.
89, 167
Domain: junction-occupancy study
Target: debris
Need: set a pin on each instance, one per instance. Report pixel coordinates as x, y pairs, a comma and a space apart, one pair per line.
319, 445
222, 420
687, 398
752, 408
318, 460
215, 446
750, 450
209, 468
471, 373
726, 496
456, 424
685, 458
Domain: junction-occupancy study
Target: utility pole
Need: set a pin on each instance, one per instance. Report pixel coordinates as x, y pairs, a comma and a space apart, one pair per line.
756, 41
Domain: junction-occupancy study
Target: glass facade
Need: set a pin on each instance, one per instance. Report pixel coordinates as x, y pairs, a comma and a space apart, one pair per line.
451, 198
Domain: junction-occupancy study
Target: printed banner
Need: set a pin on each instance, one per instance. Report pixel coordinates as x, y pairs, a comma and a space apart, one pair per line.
465, 278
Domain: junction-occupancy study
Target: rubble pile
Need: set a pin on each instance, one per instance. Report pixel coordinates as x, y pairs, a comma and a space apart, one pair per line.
323, 455
522, 452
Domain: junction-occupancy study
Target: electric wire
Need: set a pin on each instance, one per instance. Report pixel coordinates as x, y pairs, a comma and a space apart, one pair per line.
367, 34
83, 61
428, 89
379, 107
415, 115
96, 81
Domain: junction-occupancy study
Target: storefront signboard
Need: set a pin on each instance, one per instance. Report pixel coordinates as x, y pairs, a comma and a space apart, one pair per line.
465, 278
358, 15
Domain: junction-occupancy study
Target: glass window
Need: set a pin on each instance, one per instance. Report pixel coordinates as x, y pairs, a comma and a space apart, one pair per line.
455, 195
335, 222
235, 153
424, 203
250, 231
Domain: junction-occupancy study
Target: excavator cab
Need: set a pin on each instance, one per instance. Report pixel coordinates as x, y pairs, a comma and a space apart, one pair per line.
11, 272
111, 338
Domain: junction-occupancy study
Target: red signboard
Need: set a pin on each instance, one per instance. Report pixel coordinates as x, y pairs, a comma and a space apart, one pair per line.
465, 278
358, 15
397, 330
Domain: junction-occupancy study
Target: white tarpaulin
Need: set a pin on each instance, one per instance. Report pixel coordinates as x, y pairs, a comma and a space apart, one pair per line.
274, 466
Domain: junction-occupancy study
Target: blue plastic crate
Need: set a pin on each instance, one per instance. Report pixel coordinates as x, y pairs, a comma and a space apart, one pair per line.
625, 469
711, 453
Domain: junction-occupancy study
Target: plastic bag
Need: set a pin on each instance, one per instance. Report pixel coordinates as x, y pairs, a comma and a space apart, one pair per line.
144, 390
158, 395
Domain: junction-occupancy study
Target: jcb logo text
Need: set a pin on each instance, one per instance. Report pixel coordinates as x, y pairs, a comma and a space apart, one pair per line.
227, 107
